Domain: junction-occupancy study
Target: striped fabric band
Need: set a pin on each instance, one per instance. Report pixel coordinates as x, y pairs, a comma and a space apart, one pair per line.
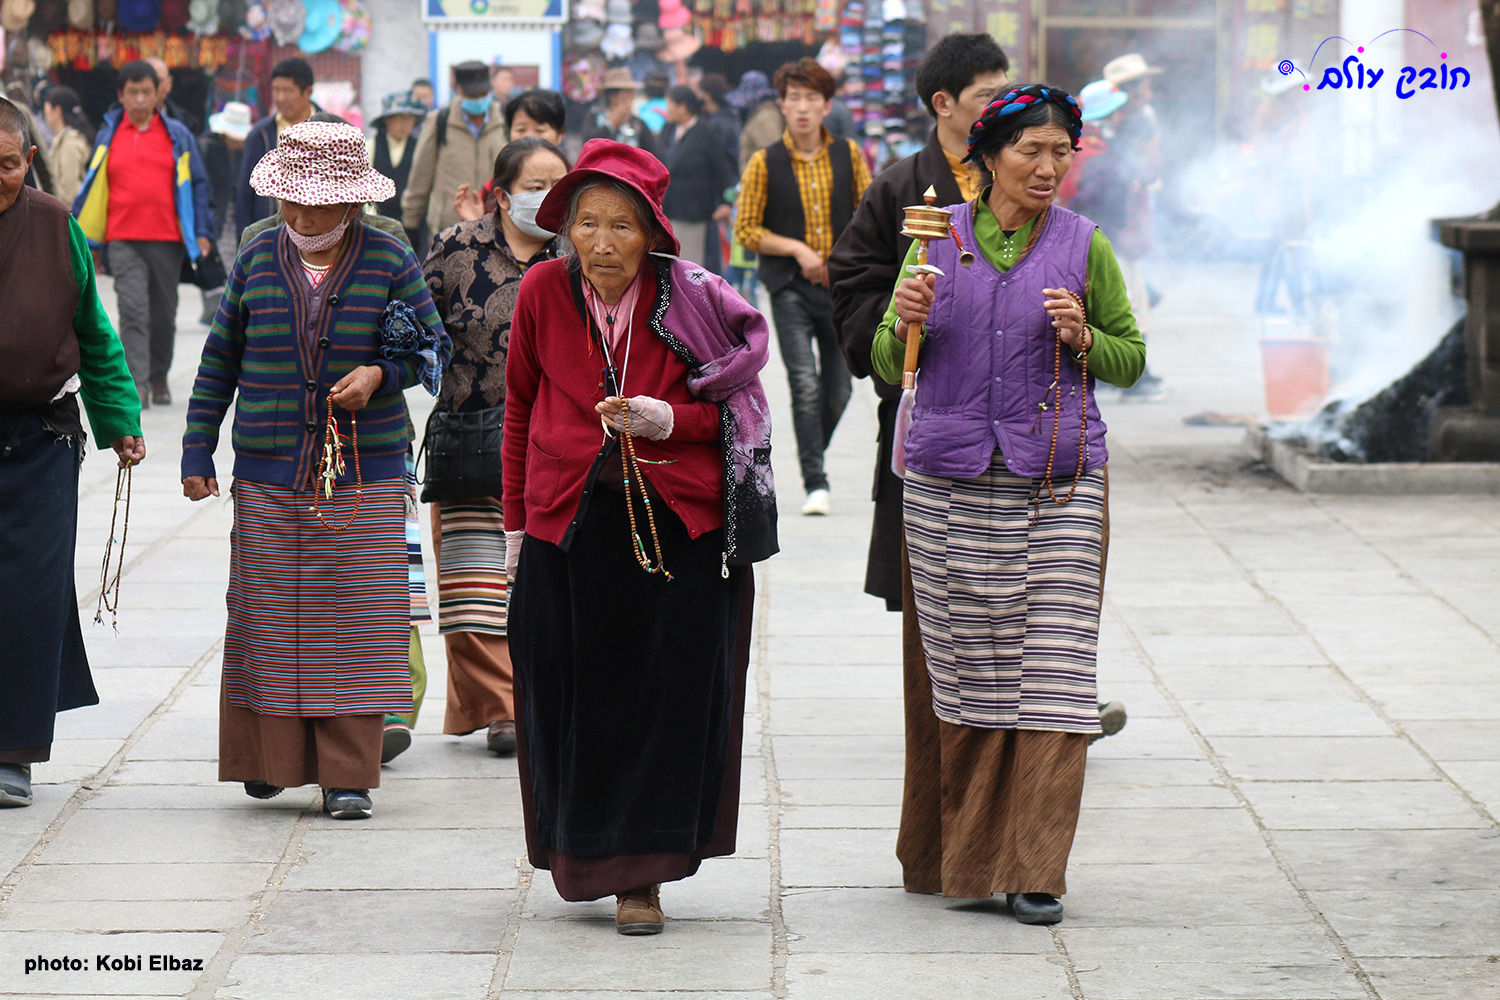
1009, 609
319, 621
421, 611
472, 595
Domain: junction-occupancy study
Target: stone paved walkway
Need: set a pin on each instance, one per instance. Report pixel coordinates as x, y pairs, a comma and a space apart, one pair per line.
1302, 806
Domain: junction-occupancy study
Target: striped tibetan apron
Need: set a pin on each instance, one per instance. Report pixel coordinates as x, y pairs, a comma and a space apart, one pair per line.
1007, 594
319, 621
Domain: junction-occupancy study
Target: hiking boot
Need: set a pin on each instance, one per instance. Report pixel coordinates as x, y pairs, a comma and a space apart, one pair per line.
639, 911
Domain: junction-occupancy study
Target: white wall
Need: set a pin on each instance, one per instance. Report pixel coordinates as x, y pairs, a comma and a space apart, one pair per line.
397, 53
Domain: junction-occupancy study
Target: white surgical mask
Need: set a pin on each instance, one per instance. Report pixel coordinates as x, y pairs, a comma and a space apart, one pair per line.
523, 209
317, 244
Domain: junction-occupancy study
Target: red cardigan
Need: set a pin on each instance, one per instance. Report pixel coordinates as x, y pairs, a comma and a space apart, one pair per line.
553, 379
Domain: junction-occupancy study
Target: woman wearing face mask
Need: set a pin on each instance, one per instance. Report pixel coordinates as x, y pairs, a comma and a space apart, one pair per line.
324, 322
474, 272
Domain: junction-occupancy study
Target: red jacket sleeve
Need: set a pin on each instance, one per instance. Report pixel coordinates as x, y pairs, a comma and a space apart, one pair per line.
695, 422
522, 378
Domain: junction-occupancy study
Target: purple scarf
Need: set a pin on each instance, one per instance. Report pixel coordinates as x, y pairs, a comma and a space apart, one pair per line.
731, 340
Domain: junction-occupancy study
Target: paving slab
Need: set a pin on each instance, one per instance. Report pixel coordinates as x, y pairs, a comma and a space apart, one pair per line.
708, 955
401, 921
380, 977
344, 858
927, 977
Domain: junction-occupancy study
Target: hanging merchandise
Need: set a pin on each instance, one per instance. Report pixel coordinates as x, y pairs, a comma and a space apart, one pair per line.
586, 34
288, 19
174, 15
648, 37
203, 17
257, 26
231, 16
81, 14
355, 33
138, 15
320, 26
583, 75
50, 16
40, 55
15, 15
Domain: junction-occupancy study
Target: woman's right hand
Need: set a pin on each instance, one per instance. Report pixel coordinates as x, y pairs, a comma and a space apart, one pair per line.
914, 301
468, 204
199, 488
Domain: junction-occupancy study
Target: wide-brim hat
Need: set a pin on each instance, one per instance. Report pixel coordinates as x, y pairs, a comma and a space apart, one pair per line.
1128, 67
235, 121
619, 78
288, 20
1100, 99
320, 163
607, 158
138, 15
81, 14
321, 28
753, 88
399, 102
203, 17
587, 34
15, 15
678, 45
648, 37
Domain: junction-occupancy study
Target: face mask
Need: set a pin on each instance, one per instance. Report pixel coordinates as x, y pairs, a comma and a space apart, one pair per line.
317, 244
475, 105
523, 209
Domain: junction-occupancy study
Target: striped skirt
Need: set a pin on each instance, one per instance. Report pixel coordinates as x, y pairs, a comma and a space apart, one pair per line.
472, 593
319, 620
1007, 595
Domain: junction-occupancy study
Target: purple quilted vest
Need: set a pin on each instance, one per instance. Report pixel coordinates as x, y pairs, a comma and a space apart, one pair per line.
987, 361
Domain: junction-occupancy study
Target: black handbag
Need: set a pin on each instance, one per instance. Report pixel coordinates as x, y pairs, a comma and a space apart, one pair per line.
207, 272
463, 455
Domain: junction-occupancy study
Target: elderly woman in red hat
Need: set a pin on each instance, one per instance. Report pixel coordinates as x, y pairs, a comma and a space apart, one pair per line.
324, 322
638, 476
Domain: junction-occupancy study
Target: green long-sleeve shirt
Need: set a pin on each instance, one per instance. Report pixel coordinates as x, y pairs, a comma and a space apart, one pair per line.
1118, 354
109, 393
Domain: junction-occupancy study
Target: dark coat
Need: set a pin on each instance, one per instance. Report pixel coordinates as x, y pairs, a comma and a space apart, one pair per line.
248, 206
701, 168
863, 269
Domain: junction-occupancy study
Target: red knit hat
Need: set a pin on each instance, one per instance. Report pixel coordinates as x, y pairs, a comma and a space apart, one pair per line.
607, 158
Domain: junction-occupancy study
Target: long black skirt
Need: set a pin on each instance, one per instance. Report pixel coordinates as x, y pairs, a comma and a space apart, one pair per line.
47, 667
630, 701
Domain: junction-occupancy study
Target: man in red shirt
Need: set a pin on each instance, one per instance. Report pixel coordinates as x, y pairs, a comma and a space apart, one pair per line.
144, 231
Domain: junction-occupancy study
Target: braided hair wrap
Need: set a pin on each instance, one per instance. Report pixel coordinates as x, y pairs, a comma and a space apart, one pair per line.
1018, 109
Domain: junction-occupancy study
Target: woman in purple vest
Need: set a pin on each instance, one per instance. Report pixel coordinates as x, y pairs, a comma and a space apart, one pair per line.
1005, 514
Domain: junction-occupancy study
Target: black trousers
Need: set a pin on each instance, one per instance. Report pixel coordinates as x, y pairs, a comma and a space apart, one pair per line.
46, 669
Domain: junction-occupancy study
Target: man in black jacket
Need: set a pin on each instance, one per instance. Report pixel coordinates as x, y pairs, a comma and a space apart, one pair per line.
291, 90
701, 170
957, 79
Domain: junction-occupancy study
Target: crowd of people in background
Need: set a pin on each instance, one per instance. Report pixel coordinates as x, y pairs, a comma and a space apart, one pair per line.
482, 250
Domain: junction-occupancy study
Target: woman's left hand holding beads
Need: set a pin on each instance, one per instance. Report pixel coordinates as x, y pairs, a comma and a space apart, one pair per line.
1066, 313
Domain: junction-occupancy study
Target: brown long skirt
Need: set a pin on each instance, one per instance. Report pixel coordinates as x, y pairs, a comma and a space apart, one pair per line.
481, 683
335, 751
984, 810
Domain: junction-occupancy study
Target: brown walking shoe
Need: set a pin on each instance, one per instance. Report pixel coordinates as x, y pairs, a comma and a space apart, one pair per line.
639, 911
160, 394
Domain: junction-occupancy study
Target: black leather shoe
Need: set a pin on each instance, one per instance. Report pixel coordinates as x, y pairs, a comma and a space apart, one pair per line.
262, 790
347, 803
1035, 907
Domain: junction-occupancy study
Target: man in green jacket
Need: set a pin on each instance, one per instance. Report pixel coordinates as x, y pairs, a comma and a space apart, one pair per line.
55, 345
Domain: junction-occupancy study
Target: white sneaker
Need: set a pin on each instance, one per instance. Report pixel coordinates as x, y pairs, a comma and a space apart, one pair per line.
816, 505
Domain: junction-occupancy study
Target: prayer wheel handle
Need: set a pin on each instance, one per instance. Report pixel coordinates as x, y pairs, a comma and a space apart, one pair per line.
923, 223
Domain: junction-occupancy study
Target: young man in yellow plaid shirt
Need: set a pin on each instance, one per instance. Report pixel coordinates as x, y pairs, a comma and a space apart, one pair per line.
796, 197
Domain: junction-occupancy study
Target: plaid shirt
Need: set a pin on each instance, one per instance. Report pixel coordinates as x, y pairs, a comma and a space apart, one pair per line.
814, 182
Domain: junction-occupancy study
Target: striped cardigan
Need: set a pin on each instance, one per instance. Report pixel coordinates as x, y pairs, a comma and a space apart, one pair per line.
283, 363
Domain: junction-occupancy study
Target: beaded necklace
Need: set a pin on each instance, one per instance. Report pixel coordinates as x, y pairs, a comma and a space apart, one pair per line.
106, 602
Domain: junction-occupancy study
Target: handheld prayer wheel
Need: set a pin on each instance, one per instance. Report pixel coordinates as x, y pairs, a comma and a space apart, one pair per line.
924, 223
